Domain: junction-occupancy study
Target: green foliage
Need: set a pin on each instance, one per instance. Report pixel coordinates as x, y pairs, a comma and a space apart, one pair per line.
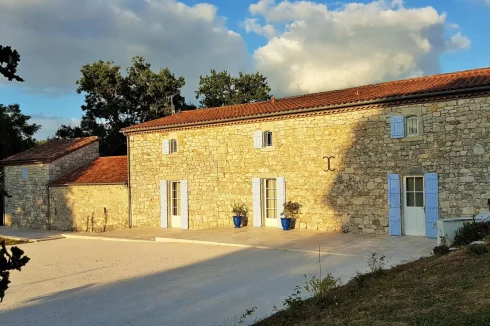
294, 299
114, 101
443, 248
478, 249
239, 209
9, 261
220, 88
319, 287
376, 263
469, 232
247, 313
291, 209
9, 59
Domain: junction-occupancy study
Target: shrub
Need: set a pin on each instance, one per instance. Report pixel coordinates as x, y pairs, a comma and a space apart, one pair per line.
291, 209
9, 261
376, 264
239, 209
478, 249
319, 287
443, 248
469, 232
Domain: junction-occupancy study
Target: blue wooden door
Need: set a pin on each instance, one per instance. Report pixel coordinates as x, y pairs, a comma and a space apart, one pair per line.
431, 204
394, 208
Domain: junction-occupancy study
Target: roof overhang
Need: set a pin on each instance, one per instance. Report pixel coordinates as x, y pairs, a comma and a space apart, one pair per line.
390, 100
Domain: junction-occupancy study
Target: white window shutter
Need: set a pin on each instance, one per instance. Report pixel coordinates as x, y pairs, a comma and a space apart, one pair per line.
166, 147
184, 205
258, 143
257, 206
281, 198
164, 204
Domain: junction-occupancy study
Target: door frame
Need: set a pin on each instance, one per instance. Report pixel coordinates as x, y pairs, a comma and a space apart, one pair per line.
170, 207
404, 200
264, 205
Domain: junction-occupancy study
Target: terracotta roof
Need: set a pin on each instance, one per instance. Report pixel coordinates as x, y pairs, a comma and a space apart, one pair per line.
109, 169
50, 151
394, 90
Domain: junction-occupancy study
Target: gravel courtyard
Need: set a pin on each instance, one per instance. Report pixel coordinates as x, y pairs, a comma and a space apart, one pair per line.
87, 282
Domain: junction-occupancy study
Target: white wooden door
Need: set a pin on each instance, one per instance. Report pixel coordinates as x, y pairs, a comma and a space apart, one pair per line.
175, 207
414, 206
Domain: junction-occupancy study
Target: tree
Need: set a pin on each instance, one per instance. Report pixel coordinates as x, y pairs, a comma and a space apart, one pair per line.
15, 136
114, 101
9, 59
220, 88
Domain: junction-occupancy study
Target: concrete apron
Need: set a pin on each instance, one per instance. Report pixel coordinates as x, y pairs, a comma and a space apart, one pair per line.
327, 243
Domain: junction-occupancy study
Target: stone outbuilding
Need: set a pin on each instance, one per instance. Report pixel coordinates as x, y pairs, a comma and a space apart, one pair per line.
93, 198
64, 185
385, 158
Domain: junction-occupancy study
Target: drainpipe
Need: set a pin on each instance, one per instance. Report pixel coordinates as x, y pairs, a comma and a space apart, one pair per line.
130, 213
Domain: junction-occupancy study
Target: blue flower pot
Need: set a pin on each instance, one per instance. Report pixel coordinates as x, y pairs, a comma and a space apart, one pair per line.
237, 220
286, 223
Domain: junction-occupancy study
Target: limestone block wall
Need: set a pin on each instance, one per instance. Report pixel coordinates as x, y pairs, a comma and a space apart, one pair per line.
219, 162
89, 208
28, 205
74, 160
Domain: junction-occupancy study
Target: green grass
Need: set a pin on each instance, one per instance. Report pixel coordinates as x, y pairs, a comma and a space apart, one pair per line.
12, 241
440, 290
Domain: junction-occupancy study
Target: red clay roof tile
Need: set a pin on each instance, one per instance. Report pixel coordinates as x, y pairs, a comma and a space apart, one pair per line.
463, 80
50, 151
109, 169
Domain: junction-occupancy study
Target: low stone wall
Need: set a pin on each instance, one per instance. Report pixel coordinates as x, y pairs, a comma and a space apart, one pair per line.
88, 208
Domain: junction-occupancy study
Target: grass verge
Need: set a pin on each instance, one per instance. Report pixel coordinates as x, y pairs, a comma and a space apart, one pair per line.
9, 241
440, 290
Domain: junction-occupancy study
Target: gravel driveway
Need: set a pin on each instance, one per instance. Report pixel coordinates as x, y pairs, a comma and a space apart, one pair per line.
88, 282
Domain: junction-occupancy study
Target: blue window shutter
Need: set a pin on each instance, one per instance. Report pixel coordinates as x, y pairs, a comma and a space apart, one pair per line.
163, 204
431, 204
24, 173
394, 208
184, 205
257, 203
397, 127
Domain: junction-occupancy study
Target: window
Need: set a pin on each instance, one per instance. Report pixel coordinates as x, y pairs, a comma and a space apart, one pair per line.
270, 198
267, 138
414, 191
412, 126
175, 198
24, 173
173, 146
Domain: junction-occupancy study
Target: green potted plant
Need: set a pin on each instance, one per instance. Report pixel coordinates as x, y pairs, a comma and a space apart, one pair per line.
291, 212
239, 211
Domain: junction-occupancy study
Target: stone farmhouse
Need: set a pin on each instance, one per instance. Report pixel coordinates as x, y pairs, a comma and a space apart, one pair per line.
388, 158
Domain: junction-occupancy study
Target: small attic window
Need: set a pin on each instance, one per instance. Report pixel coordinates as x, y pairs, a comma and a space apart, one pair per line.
412, 126
267, 138
173, 145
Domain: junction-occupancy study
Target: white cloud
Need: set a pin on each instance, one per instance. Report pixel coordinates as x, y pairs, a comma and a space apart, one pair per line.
322, 49
56, 37
50, 124
251, 25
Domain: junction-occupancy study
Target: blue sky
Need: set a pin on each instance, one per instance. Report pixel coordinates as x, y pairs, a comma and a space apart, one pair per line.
300, 47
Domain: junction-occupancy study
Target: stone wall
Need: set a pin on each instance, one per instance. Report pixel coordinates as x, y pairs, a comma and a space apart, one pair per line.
74, 160
219, 163
28, 206
89, 208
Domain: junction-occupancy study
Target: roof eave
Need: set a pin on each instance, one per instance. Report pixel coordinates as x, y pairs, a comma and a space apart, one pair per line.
311, 109
88, 184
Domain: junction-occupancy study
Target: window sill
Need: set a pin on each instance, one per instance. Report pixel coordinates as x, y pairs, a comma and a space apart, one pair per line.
413, 138
268, 149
